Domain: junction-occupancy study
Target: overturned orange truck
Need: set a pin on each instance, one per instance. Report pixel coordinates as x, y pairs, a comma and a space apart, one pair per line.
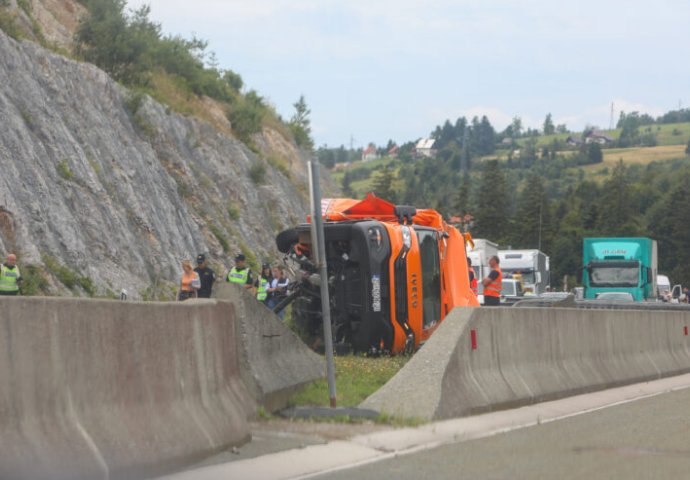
394, 273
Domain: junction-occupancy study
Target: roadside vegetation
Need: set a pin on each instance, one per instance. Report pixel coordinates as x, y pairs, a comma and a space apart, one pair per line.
357, 377
177, 72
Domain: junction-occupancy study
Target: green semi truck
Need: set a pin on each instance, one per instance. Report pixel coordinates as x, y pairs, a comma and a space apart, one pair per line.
620, 265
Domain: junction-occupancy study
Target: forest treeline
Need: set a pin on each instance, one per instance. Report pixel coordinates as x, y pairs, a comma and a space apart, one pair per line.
535, 196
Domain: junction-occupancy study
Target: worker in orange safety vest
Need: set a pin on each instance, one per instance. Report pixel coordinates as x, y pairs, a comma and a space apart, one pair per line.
493, 283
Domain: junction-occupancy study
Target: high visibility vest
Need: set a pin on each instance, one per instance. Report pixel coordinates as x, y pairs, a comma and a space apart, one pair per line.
261, 292
473, 283
494, 288
8, 278
238, 276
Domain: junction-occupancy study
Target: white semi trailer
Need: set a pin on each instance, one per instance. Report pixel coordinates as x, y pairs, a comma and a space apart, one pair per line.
481, 253
531, 265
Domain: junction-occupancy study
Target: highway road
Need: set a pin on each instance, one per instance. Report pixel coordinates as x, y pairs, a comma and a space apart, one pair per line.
644, 439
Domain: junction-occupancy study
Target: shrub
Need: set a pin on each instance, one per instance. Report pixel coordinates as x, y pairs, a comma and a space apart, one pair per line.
34, 281
258, 173
246, 115
220, 237
63, 169
233, 211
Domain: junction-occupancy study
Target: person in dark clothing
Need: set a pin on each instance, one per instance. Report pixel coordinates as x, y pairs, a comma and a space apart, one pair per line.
206, 275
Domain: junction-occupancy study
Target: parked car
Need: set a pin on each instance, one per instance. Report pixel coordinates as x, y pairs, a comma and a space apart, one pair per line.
615, 297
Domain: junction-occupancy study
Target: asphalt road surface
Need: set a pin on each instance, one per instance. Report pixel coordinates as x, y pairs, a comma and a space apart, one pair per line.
645, 439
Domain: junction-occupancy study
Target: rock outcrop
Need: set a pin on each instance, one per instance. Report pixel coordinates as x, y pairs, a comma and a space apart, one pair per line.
118, 188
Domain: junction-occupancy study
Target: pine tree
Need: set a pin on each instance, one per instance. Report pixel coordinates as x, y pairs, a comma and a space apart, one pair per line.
532, 219
615, 206
493, 208
549, 128
462, 204
669, 221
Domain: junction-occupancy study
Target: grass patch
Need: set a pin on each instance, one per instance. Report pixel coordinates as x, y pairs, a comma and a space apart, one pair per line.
68, 277
220, 237
637, 155
233, 211
356, 378
64, 171
279, 164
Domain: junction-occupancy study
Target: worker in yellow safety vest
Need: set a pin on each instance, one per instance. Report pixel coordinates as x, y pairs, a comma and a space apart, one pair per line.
493, 283
263, 283
240, 273
10, 278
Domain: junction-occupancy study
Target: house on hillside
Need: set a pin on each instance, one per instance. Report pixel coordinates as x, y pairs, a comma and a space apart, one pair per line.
596, 136
574, 141
425, 148
393, 152
369, 153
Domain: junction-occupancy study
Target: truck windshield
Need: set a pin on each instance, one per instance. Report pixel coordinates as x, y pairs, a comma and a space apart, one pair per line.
431, 276
527, 275
614, 274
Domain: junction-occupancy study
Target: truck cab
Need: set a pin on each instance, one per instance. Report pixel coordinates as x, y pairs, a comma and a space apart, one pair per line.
620, 265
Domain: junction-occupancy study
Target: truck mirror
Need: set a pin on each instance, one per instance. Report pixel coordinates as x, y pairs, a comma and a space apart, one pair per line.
538, 277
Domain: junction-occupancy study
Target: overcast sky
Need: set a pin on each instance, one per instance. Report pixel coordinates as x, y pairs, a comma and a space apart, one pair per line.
375, 70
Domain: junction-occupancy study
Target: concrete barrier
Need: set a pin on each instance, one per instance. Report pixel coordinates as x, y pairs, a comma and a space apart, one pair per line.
529, 355
104, 389
274, 361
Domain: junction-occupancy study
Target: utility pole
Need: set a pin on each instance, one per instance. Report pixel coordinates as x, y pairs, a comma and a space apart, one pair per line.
319, 249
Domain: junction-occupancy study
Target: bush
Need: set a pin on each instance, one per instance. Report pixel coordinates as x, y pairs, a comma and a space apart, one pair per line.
34, 281
246, 116
8, 21
63, 169
233, 211
257, 173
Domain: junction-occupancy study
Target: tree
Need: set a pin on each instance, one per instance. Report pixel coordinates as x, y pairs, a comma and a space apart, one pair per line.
669, 221
549, 128
617, 217
300, 125
532, 218
492, 215
346, 184
516, 127
462, 204
594, 153
383, 184
687, 149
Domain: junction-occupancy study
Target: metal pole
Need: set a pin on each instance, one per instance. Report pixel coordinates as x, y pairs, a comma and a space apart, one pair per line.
319, 244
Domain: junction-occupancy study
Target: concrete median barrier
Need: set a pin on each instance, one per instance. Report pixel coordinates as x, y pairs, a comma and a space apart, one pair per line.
105, 389
493, 358
274, 361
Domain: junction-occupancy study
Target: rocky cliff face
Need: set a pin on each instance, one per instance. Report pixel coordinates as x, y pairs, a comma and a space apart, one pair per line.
118, 188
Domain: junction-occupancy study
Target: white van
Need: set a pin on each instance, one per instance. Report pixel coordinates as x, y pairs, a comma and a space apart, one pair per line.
663, 285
